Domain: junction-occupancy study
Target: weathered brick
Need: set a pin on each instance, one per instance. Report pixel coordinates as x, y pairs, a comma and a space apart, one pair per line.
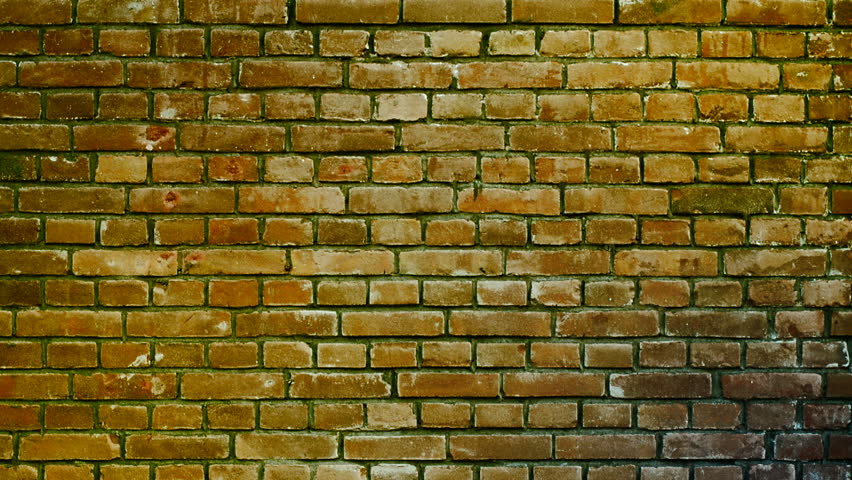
510, 75
400, 200
641, 201
554, 11
135, 386
130, 262
184, 74
450, 262
500, 447
392, 324
104, 11
179, 324
277, 74
619, 75
408, 447
224, 386
261, 446
561, 138
315, 138
772, 385
678, 12
340, 262
362, 11
33, 386
450, 138
182, 200
716, 446
220, 262
577, 447
286, 323
400, 75
464, 11
717, 324
34, 137
52, 74
145, 138
541, 201
69, 447
33, 262
339, 385
648, 138
722, 200
775, 262
553, 384
661, 385
166, 447
776, 139
543, 262
246, 11
778, 12
608, 324
727, 75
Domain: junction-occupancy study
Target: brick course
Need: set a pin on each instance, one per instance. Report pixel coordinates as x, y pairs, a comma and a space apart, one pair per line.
493, 239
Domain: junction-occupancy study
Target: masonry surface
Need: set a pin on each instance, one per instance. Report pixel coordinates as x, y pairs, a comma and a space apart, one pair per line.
425, 239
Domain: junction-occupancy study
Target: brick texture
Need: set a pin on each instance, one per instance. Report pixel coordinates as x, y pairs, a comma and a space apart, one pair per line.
425, 239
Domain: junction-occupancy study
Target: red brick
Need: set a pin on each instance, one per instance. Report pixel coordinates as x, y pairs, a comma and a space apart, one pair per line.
362, 11
286, 323
399, 75
536, 324
104, 11
145, 138
668, 139
33, 262
34, 137
464, 11
554, 11
678, 12
449, 138
713, 446
661, 385
275, 73
69, 447
561, 138
775, 262
666, 263
89, 73
392, 324
500, 447
717, 324
185, 74
619, 75
779, 12
553, 384
636, 201
221, 138
247, 11
447, 384
727, 75
544, 262
339, 385
167, 447
577, 447
510, 75
261, 446
226, 386
408, 447
772, 385
315, 138
608, 324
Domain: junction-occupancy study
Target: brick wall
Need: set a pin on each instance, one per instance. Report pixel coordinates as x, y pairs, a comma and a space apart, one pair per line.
425, 239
